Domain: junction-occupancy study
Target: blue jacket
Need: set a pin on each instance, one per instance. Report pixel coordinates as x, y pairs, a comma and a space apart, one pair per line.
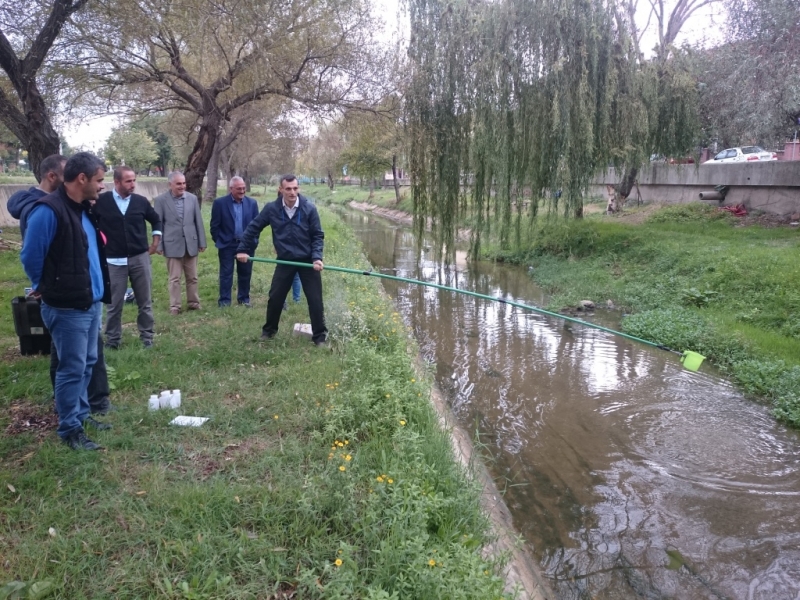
20, 205
300, 239
223, 226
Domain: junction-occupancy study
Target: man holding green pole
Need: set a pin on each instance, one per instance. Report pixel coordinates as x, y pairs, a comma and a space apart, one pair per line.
298, 237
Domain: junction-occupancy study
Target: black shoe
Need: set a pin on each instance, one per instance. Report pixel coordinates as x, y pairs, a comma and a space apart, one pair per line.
245, 304
110, 346
147, 344
285, 306
91, 422
79, 441
267, 336
224, 304
104, 408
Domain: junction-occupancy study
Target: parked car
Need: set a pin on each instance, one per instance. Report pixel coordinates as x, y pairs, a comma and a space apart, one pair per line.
743, 154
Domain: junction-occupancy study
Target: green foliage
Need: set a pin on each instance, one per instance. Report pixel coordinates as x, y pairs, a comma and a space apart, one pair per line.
695, 297
18, 590
132, 147
515, 105
690, 212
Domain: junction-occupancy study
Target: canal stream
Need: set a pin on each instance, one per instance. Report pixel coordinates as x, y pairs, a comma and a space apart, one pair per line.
627, 475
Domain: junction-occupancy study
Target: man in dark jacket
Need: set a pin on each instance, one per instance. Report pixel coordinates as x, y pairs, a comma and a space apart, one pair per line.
298, 237
64, 258
51, 174
230, 216
123, 218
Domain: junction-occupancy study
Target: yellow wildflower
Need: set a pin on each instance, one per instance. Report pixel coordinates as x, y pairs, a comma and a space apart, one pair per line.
338, 562
413, 380
432, 563
379, 479
275, 417
348, 458
402, 422
390, 480
342, 468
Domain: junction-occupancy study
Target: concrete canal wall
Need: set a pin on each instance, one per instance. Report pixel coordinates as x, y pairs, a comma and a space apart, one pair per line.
772, 187
149, 189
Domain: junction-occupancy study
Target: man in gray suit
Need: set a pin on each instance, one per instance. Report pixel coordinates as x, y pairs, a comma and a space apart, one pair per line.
183, 236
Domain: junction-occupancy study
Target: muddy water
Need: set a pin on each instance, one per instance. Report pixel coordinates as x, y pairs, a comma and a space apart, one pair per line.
628, 476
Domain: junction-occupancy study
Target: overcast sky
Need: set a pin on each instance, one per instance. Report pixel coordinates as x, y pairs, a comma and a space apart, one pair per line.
704, 28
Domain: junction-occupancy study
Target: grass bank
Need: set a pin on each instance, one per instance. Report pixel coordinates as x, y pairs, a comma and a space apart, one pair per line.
342, 194
321, 473
693, 279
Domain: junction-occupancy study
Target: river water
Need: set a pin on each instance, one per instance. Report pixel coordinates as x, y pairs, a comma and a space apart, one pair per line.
627, 475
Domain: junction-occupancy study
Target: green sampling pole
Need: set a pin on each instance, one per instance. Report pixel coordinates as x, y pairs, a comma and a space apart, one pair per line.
691, 360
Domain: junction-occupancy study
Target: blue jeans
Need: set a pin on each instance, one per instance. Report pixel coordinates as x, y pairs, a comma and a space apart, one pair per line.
227, 261
296, 287
74, 334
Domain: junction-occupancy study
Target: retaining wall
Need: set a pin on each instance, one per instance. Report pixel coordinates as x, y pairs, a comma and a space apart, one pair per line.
149, 189
772, 187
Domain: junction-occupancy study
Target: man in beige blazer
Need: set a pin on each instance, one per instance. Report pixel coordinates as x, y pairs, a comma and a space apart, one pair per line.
182, 237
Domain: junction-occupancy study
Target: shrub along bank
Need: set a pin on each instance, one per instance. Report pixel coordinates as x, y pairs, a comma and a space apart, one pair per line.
321, 473
693, 279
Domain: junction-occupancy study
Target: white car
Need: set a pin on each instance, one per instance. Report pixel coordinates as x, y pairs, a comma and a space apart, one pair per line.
743, 154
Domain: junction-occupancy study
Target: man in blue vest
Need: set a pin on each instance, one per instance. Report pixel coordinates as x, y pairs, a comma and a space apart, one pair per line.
298, 237
230, 216
64, 258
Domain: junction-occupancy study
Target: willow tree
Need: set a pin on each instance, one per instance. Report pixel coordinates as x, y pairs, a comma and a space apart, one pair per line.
211, 59
516, 104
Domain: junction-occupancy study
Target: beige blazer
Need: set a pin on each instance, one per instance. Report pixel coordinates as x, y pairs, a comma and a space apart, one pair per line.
178, 240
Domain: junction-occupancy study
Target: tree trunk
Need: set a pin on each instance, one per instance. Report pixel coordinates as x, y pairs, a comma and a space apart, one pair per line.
330, 180
622, 190
213, 173
201, 153
394, 179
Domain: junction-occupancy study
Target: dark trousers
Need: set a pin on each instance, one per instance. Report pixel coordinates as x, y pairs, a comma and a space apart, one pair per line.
312, 288
227, 258
98, 385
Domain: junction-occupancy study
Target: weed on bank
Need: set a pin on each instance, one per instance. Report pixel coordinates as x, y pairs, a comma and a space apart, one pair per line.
693, 279
320, 474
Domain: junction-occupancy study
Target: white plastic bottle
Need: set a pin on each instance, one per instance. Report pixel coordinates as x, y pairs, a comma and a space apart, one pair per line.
165, 400
176, 399
153, 403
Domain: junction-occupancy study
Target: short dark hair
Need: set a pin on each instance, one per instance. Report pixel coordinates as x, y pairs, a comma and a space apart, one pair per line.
51, 164
287, 177
118, 171
82, 162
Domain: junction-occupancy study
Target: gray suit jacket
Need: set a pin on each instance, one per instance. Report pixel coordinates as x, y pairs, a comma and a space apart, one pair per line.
178, 240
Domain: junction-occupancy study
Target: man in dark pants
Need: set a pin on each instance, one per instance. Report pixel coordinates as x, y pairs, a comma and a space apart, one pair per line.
64, 258
230, 216
51, 174
123, 218
298, 237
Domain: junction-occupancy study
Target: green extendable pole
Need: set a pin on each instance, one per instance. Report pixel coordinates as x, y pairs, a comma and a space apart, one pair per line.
691, 360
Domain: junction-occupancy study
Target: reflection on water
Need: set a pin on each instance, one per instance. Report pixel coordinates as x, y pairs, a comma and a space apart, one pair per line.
629, 476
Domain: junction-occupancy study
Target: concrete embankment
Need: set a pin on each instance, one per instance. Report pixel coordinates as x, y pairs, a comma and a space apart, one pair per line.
149, 189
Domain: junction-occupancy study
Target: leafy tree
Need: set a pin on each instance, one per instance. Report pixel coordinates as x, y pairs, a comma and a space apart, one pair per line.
152, 125
24, 47
516, 103
210, 59
132, 147
751, 84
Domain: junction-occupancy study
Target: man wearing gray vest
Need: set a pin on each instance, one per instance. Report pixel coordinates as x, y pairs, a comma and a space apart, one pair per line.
182, 237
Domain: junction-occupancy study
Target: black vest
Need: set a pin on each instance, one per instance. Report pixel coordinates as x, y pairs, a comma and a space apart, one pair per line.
66, 282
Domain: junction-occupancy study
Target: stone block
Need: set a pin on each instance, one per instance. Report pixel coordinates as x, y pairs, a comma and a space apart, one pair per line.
302, 329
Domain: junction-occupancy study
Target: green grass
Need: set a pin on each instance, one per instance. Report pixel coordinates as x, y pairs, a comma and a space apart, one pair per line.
342, 194
310, 457
694, 281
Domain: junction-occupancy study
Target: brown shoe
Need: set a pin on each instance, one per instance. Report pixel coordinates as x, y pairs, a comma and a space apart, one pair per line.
194, 307
174, 311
